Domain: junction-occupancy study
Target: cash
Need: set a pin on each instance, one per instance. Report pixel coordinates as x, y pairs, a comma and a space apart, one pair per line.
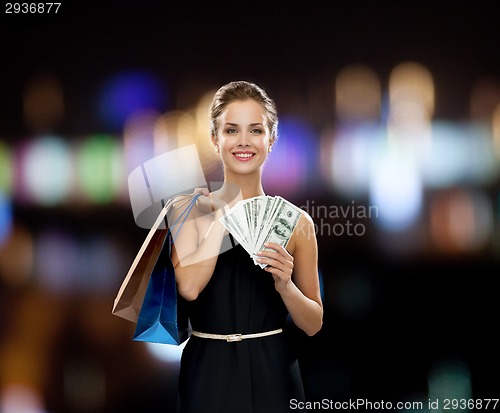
255, 221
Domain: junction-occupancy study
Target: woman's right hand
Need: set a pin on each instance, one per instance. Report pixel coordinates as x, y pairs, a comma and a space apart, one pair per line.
208, 202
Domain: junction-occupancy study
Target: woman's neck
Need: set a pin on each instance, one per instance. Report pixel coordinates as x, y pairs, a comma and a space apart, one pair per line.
249, 185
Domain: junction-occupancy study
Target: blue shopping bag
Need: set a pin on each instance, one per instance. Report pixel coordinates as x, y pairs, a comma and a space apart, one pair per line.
163, 317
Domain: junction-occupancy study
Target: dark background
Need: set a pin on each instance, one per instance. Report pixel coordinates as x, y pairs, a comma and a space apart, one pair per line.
191, 43
420, 312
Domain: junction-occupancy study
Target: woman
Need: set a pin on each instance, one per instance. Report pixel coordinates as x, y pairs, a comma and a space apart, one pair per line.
226, 293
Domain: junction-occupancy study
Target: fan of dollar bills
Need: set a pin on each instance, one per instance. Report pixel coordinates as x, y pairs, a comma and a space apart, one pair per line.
261, 219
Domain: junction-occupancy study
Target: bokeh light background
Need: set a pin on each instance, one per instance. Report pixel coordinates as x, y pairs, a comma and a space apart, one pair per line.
389, 138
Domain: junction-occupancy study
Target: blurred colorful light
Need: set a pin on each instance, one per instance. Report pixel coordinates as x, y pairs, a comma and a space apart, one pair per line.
450, 379
172, 130
21, 398
57, 264
103, 264
166, 353
484, 98
139, 139
396, 190
411, 83
100, 168
459, 153
351, 157
357, 95
43, 102
6, 174
292, 164
47, 171
496, 130
6, 218
461, 220
16, 256
209, 158
130, 92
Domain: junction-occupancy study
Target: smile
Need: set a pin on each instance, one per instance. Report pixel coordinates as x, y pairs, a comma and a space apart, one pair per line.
244, 156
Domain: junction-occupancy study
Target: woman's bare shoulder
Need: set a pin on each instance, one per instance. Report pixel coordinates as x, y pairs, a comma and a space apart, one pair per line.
305, 223
304, 232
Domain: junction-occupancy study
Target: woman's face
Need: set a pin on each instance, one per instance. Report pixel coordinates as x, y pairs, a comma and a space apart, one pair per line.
243, 136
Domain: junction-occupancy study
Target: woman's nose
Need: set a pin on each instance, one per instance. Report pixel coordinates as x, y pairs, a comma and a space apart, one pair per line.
243, 139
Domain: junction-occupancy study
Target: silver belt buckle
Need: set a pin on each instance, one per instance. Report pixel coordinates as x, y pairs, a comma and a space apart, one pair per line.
233, 337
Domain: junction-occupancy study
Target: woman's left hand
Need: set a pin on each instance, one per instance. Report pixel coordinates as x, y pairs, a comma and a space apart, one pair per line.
279, 263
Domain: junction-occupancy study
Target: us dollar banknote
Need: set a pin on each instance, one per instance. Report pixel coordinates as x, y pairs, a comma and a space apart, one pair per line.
284, 222
258, 220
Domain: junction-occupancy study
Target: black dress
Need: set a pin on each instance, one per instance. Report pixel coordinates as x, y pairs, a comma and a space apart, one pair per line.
257, 375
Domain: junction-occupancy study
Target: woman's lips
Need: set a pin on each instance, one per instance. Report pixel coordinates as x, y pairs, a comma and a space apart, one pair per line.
243, 156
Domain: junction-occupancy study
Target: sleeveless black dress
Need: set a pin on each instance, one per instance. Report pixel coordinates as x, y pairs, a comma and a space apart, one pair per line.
257, 375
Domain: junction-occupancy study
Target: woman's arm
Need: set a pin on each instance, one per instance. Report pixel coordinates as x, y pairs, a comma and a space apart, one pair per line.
296, 277
195, 250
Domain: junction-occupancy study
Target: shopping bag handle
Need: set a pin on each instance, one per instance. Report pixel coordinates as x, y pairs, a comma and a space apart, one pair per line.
183, 215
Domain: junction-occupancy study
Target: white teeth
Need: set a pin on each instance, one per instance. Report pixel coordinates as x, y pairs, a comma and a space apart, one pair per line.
243, 155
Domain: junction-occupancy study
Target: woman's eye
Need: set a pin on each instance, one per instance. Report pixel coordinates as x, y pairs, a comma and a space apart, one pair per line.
231, 131
256, 131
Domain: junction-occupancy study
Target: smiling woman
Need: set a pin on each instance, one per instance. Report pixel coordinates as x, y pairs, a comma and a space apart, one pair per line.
241, 139
236, 355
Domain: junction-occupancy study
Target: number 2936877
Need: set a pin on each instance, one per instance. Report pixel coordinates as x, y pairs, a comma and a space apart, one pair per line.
32, 8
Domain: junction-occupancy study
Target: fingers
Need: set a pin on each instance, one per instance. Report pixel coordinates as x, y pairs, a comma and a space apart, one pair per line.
203, 191
209, 203
204, 204
275, 251
278, 260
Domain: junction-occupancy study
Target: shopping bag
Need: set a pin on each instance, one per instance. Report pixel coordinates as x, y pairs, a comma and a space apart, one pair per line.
130, 296
128, 301
163, 317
